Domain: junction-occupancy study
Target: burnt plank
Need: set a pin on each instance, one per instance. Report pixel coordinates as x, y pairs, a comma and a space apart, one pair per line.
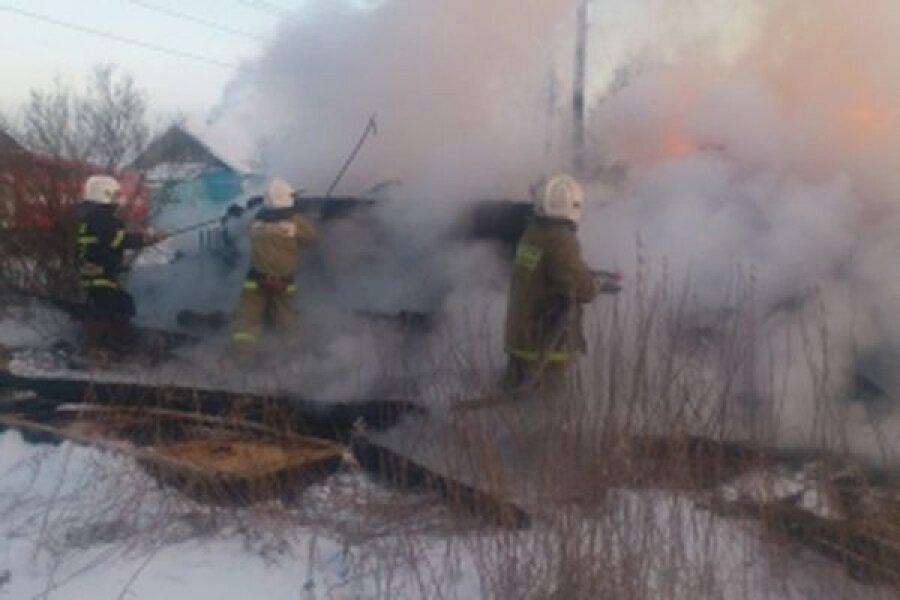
331, 420
403, 473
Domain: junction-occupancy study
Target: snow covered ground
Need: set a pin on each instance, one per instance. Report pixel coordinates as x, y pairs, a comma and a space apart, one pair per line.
32, 326
79, 523
76, 523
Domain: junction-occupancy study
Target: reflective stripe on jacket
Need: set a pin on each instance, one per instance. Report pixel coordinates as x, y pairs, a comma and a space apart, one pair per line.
549, 283
100, 282
102, 241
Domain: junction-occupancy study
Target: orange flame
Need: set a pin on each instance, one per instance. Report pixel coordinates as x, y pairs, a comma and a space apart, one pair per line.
675, 144
868, 120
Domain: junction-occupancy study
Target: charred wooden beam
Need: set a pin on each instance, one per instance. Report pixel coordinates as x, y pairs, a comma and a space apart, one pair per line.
500, 220
331, 420
692, 461
334, 207
401, 472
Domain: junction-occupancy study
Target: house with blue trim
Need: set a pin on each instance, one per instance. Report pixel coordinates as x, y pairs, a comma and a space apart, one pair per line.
180, 168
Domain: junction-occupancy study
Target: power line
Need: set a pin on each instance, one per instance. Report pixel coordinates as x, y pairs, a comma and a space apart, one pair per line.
268, 4
264, 6
119, 38
197, 20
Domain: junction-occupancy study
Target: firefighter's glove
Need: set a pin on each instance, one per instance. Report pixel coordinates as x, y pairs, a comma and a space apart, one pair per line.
235, 211
608, 282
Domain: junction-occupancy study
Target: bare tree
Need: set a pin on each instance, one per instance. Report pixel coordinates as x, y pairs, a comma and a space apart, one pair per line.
105, 124
71, 133
114, 113
47, 123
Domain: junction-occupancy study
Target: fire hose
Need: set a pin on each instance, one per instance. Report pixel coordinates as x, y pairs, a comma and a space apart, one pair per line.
234, 211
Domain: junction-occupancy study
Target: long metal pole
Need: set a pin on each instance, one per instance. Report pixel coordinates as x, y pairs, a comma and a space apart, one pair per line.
578, 93
371, 127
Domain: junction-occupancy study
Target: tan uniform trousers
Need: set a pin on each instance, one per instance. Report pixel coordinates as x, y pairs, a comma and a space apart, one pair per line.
259, 308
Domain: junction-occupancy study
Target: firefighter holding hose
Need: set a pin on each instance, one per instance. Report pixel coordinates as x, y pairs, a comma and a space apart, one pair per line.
549, 286
277, 235
102, 242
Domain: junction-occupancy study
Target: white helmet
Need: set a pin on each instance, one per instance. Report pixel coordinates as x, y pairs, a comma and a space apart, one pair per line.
101, 189
279, 195
559, 197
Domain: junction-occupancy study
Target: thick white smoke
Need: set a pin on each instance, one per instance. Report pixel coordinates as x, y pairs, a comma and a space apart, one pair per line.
761, 137
778, 156
460, 90
456, 86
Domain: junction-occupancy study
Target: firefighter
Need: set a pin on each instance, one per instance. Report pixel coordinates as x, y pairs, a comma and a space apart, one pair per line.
276, 237
550, 283
102, 242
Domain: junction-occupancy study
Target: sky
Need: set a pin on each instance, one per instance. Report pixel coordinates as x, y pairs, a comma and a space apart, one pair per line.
202, 48
45, 50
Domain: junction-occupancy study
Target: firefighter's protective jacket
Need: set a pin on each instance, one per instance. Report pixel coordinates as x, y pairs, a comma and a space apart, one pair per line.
276, 237
102, 242
549, 283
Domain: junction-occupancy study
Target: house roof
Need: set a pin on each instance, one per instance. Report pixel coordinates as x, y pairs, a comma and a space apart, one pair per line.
179, 146
8, 145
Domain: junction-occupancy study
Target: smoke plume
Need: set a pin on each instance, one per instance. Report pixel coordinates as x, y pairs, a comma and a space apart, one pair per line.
774, 152
759, 137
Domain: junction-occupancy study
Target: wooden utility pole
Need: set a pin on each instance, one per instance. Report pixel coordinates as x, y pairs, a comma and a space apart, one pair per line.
578, 94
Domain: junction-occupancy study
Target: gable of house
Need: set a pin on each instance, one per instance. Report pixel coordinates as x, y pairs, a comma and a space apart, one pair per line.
179, 147
179, 168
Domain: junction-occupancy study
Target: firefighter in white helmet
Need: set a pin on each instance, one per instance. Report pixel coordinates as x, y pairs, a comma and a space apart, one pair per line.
277, 235
102, 242
550, 283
